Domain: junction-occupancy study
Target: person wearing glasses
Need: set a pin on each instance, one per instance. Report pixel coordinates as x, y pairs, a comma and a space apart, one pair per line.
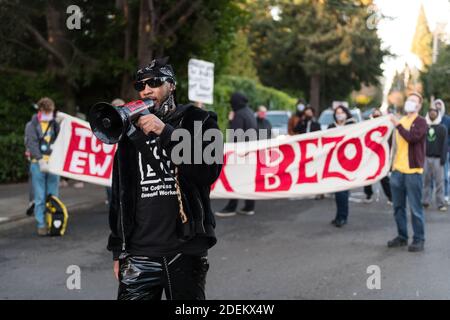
160, 215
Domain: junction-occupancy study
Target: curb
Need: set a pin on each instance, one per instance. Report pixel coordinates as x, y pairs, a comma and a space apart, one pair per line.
22, 217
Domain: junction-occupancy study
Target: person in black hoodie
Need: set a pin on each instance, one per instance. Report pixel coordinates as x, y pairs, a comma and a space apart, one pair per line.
436, 156
244, 119
160, 215
342, 117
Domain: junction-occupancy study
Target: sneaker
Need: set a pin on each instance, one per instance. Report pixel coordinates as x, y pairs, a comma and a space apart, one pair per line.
340, 223
389, 202
30, 209
225, 213
416, 246
368, 199
42, 231
443, 209
246, 212
78, 185
397, 242
425, 205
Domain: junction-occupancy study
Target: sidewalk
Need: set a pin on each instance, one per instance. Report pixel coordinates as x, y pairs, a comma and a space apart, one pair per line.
14, 199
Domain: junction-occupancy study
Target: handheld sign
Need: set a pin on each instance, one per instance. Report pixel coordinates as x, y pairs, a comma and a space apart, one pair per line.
201, 81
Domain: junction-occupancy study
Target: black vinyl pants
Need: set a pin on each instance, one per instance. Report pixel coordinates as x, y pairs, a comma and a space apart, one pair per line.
182, 277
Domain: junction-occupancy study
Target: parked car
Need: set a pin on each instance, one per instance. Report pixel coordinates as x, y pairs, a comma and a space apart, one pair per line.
326, 117
279, 121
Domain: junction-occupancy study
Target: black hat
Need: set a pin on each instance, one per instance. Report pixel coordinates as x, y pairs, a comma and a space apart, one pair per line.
156, 68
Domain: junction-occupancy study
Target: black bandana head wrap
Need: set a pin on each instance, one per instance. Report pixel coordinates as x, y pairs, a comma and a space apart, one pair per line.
157, 68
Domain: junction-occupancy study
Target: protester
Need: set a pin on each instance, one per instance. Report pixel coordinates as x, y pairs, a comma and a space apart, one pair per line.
436, 156
385, 184
307, 123
440, 105
40, 134
407, 171
296, 117
152, 248
242, 118
263, 125
342, 117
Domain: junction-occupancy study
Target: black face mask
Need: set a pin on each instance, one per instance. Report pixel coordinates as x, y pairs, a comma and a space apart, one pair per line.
166, 108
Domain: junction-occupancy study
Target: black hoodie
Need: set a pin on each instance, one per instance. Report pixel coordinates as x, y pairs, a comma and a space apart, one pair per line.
244, 117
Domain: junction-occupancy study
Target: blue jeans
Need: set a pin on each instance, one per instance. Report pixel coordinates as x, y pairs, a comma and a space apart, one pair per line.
341, 205
408, 186
43, 185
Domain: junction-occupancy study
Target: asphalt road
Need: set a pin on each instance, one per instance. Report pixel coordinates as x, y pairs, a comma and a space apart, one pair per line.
288, 250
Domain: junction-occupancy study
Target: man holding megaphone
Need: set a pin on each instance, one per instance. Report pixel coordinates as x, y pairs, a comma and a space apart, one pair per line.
160, 216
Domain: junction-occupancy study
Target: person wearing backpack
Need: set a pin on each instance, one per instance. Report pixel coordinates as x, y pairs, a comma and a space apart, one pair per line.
40, 134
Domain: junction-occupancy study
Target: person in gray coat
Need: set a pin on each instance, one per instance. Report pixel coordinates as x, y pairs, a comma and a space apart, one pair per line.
40, 134
244, 128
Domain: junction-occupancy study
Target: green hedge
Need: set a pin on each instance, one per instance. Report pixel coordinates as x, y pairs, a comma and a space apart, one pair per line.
256, 93
17, 95
13, 164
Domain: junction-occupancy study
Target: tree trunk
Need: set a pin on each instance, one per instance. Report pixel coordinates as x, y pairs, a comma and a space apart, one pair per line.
145, 54
314, 96
59, 65
70, 104
126, 92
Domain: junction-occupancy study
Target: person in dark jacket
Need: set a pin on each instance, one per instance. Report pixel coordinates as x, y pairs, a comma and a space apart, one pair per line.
296, 117
263, 125
445, 120
307, 123
160, 214
244, 128
40, 134
436, 156
342, 117
407, 171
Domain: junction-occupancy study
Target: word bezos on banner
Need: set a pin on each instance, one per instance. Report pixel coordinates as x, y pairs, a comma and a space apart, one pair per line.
320, 162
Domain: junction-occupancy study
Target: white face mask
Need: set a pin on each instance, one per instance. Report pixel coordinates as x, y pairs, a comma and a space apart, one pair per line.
46, 116
410, 106
341, 117
300, 107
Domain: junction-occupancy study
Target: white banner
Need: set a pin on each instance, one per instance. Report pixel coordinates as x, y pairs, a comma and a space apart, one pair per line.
309, 164
79, 155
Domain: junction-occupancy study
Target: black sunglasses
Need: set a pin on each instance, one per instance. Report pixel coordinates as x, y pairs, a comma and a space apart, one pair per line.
152, 83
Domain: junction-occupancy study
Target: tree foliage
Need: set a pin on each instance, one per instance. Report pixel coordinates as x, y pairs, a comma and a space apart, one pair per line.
324, 47
436, 80
423, 39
